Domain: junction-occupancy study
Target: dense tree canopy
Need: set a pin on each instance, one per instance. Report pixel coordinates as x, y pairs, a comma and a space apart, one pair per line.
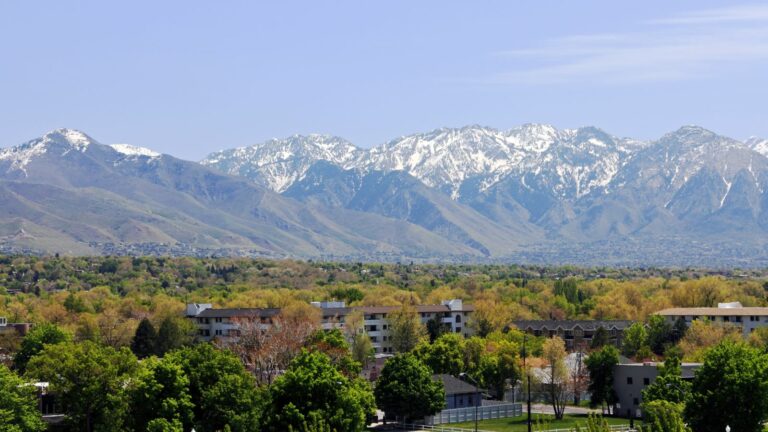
730, 388
90, 381
223, 393
35, 341
18, 404
313, 390
159, 395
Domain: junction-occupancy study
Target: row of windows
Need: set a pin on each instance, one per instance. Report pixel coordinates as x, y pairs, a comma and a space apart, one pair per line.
646, 381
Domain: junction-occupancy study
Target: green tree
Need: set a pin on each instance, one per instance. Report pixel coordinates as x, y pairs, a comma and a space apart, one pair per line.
730, 388
445, 355
313, 389
660, 334
599, 338
35, 341
600, 366
223, 393
174, 333
160, 396
435, 328
635, 337
669, 384
679, 329
90, 382
405, 329
405, 389
663, 416
18, 404
499, 367
333, 344
144, 343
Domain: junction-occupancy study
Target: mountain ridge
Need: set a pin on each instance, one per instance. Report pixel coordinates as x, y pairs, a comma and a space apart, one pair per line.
532, 193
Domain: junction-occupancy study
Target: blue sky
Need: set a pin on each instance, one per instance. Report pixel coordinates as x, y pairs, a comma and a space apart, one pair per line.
191, 77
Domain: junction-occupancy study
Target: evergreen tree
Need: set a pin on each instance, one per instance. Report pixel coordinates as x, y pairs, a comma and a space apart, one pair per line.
599, 338
144, 343
173, 334
600, 365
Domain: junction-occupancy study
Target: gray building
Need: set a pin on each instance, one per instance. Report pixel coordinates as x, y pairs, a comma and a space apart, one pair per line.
629, 380
212, 323
458, 393
575, 333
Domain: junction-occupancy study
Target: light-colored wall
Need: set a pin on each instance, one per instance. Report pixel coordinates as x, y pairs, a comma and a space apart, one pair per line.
748, 324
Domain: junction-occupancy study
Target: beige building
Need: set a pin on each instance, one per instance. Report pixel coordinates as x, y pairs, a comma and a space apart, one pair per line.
748, 318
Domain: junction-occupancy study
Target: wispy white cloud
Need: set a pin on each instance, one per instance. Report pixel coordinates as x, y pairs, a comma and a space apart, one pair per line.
739, 13
674, 48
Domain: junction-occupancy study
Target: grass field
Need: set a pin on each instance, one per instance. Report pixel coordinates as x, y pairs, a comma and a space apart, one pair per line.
518, 424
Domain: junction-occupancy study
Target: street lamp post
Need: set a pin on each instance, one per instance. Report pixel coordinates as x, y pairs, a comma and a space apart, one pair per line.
477, 386
528, 377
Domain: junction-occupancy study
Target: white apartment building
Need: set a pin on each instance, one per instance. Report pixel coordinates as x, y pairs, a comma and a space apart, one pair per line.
223, 323
748, 318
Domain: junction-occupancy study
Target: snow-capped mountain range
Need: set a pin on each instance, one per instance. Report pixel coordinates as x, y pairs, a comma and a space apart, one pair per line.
532, 193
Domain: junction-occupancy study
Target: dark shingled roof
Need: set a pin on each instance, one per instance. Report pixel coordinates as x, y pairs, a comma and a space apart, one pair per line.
454, 385
588, 325
238, 313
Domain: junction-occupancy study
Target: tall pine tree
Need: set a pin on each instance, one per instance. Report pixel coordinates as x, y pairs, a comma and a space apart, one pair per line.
144, 342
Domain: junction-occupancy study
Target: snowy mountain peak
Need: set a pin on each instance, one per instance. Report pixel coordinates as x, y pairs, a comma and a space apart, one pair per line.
759, 145
278, 163
131, 150
71, 137
59, 141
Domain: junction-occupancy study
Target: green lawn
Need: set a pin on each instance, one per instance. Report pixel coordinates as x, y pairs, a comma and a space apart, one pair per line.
518, 424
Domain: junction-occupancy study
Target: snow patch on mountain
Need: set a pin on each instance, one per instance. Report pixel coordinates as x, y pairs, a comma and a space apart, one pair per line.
131, 150
759, 145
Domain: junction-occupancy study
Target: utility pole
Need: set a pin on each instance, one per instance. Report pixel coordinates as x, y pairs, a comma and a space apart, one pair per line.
528, 377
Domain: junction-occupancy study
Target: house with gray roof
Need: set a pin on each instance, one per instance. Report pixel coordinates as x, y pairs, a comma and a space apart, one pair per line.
458, 393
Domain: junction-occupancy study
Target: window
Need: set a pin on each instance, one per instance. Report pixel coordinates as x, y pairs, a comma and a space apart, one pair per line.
458, 319
218, 332
646, 381
635, 401
629, 380
458, 329
218, 320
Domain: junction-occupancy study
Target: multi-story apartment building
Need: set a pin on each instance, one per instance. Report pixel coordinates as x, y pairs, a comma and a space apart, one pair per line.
212, 323
575, 333
748, 318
